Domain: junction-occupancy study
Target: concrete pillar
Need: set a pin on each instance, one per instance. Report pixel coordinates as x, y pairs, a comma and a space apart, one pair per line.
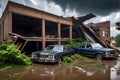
43, 34
59, 34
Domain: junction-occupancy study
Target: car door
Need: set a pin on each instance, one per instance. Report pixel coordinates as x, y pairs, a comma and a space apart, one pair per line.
67, 51
89, 51
86, 49
81, 48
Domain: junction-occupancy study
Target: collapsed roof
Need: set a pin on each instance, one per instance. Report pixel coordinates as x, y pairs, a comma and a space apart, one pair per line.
87, 32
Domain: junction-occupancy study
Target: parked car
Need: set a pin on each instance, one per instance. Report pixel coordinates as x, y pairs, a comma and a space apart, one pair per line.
53, 53
95, 50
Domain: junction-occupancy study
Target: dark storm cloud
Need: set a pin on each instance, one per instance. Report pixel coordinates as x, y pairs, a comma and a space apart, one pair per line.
99, 7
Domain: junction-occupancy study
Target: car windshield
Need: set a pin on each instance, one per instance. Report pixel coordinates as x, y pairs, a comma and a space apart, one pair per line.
55, 48
49, 47
96, 45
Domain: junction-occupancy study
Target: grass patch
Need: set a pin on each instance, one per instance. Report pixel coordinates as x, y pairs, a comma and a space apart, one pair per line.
83, 61
94, 64
67, 60
70, 59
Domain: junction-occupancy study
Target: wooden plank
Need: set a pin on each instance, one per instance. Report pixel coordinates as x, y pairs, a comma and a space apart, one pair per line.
7, 26
19, 46
59, 34
24, 45
15, 41
70, 32
27, 11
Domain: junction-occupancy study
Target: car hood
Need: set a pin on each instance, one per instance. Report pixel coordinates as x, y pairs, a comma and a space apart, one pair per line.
48, 52
105, 49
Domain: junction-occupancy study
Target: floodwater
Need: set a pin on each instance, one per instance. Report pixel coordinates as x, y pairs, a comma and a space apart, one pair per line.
111, 71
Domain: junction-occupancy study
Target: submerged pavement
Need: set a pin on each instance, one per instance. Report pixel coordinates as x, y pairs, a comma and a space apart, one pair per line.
111, 71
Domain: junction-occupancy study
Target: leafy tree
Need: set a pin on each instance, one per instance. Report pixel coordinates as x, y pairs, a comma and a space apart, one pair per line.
117, 39
112, 38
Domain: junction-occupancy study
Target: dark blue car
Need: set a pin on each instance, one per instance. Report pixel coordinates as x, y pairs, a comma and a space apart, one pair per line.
95, 50
53, 53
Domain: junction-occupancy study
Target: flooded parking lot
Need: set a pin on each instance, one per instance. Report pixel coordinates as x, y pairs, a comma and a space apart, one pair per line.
111, 71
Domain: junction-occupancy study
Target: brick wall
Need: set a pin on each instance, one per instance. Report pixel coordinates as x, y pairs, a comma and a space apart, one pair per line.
102, 29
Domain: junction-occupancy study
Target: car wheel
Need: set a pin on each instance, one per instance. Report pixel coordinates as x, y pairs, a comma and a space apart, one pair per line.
99, 56
59, 60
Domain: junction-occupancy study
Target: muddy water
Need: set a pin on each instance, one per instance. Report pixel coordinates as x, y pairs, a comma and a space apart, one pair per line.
111, 71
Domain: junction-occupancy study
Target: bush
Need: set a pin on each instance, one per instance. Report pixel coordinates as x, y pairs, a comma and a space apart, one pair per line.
10, 54
75, 42
67, 60
70, 59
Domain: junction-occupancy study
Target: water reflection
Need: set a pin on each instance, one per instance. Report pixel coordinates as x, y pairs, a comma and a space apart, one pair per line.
115, 71
111, 71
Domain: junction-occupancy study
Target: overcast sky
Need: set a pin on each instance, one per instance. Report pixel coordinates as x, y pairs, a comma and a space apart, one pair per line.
103, 9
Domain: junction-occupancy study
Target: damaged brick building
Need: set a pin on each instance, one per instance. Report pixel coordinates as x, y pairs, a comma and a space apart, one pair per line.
34, 29
102, 30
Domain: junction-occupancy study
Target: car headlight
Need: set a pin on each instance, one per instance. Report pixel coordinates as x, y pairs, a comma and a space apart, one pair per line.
51, 56
107, 53
33, 56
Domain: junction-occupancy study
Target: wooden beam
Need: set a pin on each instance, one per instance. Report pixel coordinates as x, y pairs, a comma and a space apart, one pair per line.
27, 11
24, 46
70, 32
7, 26
43, 34
59, 34
19, 46
1, 30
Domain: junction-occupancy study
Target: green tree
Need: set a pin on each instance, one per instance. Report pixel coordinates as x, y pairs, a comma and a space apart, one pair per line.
117, 39
112, 38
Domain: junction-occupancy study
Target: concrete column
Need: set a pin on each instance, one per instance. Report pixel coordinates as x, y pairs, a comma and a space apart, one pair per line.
43, 34
59, 34
70, 32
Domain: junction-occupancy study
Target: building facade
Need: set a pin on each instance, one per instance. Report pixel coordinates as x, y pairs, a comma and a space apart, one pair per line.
102, 30
37, 29
34, 25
